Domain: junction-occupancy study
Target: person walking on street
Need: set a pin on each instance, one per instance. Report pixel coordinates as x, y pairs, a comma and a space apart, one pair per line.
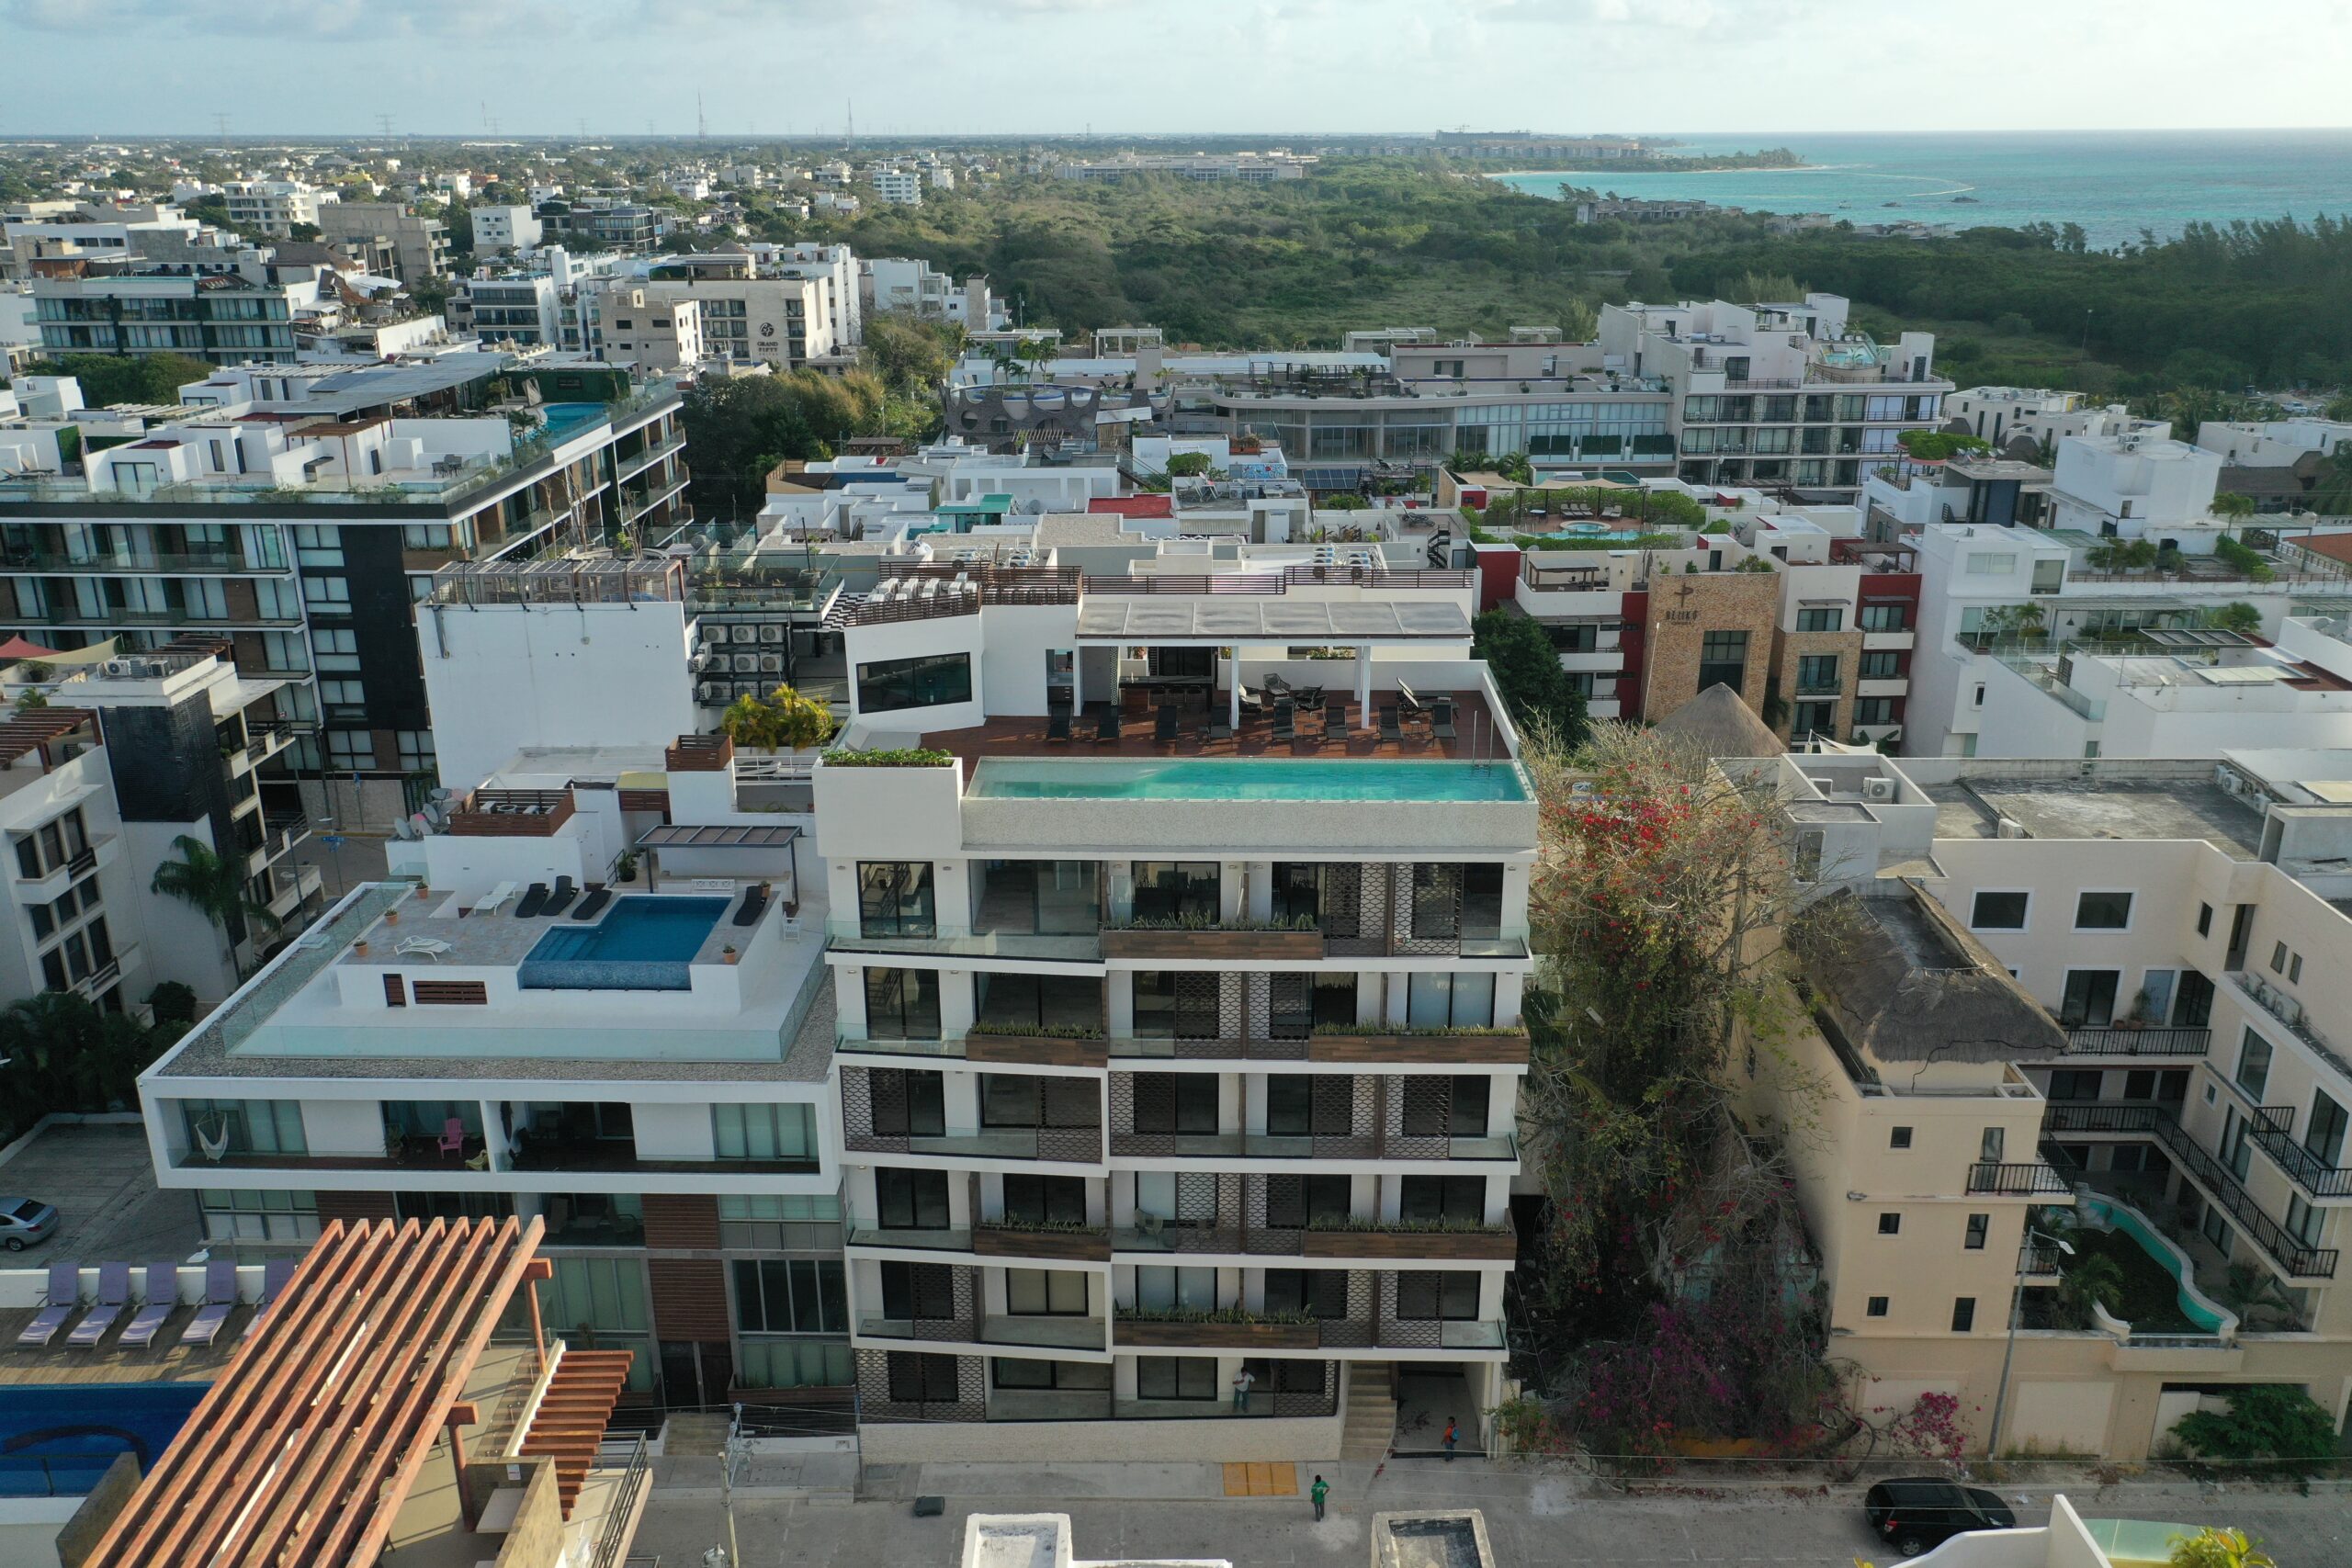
1320, 1490
1241, 1381
1453, 1436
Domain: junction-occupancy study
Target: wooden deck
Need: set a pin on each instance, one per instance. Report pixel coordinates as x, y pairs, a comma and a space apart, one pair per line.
1474, 735
168, 1361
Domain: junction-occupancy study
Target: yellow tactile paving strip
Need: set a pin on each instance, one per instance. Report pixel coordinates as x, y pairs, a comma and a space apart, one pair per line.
1260, 1479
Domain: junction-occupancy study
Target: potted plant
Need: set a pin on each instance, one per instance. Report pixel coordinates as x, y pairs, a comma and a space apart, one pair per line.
728, 953
360, 947
625, 868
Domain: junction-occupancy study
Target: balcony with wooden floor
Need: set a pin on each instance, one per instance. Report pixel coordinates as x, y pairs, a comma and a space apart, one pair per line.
1358, 736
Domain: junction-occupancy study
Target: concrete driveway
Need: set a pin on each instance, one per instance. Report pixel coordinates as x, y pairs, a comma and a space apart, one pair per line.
111, 1210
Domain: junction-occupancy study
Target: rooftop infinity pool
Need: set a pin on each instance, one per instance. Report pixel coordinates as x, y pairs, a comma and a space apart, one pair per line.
58, 1438
1225, 778
643, 943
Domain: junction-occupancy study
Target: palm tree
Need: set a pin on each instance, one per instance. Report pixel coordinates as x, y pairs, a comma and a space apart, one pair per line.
204, 880
58, 1052
2094, 1279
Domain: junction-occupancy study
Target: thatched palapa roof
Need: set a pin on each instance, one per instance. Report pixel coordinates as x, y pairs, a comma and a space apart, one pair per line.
1719, 724
1905, 983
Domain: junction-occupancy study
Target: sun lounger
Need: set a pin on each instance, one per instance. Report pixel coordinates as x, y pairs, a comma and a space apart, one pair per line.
431, 947
1391, 730
1442, 719
64, 1293
1058, 728
489, 902
1335, 722
114, 1295
593, 905
1165, 733
274, 1275
162, 1299
755, 904
219, 1301
1286, 722
1107, 727
1220, 726
535, 899
566, 890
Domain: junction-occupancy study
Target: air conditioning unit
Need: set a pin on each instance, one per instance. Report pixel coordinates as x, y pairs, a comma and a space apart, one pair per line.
2227, 777
121, 668
747, 633
706, 691
771, 634
747, 664
1880, 789
772, 663
2009, 828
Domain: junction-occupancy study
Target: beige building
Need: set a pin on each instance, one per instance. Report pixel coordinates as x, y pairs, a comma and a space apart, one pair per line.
649, 330
2103, 1001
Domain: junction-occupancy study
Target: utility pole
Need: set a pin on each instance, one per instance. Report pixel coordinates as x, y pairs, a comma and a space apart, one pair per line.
220, 125
702, 123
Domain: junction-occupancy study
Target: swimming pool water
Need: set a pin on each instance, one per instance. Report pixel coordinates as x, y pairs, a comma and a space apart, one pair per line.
565, 418
643, 943
1221, 778
59, 1439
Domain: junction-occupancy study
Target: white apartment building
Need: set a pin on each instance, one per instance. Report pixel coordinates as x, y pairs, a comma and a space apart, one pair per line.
914, 285
838, 265
523, 309
273, 207
504, 228
2107, 1009
1249, 168
1777, 394
2274, 443
650, 330
900, 187
1163, 1077
2003, 414
746, 315
2134, 486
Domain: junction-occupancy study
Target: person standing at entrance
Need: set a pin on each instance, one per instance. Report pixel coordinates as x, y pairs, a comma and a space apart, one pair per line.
1453, 1436
1241, 1381
1320, 1490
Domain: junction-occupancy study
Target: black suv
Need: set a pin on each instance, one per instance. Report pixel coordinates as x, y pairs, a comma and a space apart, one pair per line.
1919, 1512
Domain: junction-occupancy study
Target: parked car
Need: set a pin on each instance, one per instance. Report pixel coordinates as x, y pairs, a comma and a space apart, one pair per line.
1914, 1513
24, 1222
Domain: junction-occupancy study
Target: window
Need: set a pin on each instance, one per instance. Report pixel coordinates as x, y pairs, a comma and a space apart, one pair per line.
1450, 999
1979, 1226
1817, 672
1173, 1007
1009, 1373
1828, 618
2089, 999
801, 1295
2253, 1066
1460, 1113
1816, 718
2295, 968
1162, 1288
1176, 891
1882, 665
1898, 1138
1450, 1295
240, 1214
1054, 1200
2075, 1083
761, 1132
417, 755
1963, 1315
1294, 1110
1045, 1292
894, 899
1441, 1198
1176, 1102
1437, 900
2103, 912
2277, 957
1876, 1307
889, 684
1723, 659
2204, 919
901, 1004
351, 750
1318, 1292
1885, 617
914, 1291
1987, 563
1889, 1224
767, 1222
916, 1379
2323, 1133
908, 1102
2000, 912
1176, 1377
911, 1200
603, 1294
795, 1363
329, 595
1295, 1202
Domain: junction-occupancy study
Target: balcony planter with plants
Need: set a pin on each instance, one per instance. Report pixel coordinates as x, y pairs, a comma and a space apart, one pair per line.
1231, 1329
1051, 1045
1409, 1239
1198, 937
1042, 1238
1368, 1043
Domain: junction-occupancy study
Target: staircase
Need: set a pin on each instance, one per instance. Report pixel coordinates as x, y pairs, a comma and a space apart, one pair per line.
1370, 1412
570, 1421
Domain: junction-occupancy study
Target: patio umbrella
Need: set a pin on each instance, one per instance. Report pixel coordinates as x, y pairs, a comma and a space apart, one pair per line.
17, 647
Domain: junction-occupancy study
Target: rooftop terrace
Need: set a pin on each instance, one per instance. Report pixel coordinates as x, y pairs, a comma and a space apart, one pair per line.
2062, 800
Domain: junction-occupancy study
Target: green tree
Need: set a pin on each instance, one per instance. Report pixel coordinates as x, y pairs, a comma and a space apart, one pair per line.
1187, 464
213, 886
1527, 672
2231, 503
110, 378
2215, 1547
63, 1053
787, 719
2235, 616
739, 427
2092, 1279
2263, 1421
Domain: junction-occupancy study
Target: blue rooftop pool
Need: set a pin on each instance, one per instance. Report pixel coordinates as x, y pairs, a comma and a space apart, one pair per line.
56, 1439
1226, 778
643, 943
564, 419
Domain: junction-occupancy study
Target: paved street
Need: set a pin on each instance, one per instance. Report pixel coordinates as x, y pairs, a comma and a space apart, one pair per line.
1534, 1518
109, 1209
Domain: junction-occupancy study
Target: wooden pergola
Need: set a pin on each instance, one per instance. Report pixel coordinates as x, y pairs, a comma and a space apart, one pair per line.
304, 1451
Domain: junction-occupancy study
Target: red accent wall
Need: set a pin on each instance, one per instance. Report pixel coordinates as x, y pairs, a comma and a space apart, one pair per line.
1498, 573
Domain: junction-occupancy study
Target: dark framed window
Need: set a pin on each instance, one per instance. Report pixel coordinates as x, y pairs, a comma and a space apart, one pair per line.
911, 1200
1172, 1006
908, 1102
1963, 1314
894, 899
1333, 1000
1011, 1372
2253, 1066
1979, 1226
918, 1378
2000, 912
1873, 710
1298, 891
1302, 1105
1028, 1099
1437, 900
1177, 890
1723, 659
1176, 1102
2103, 912
1289, 999
777, 1295
1450, 1295
1875, 1307
1045, 1292
1176, 1377
1292, 1202
911, 1290
1318, 1292
1898, 1137
1885, 617
1056, 1200
932, 681
1461, 1115
1882, 664
901, 1004
1441, 1198
1824, 618
1889, 1224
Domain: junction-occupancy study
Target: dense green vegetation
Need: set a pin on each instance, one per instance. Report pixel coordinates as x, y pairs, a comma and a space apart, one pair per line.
108, 379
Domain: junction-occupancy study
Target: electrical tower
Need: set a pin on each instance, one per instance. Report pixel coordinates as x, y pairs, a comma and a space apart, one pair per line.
220, 125
702, 124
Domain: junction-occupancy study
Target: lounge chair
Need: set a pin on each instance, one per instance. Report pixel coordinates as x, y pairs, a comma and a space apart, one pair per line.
162, 1300
1442, 719
1057, 729
566, 890
114, 1295
1286, 722
755, 904
1169, 728
274, 1276
535, 899
1220, 726
1107, 727
453, 1136
1252, 702
431, 947
1406, 699
1391, 729
489, 902
593, 905
1275, 686
64, 1293
219, 1301
1335, 722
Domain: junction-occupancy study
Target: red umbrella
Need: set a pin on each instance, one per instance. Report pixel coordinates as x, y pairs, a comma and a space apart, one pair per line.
17, 647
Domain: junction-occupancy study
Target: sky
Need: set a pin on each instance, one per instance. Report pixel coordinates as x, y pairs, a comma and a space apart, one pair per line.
1299, 67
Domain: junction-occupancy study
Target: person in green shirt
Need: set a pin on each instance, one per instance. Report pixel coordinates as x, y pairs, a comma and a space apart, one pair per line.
1320, 1490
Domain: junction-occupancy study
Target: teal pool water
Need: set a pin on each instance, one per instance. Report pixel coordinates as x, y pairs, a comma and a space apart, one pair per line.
1222, 778
565, 418
2193, 1304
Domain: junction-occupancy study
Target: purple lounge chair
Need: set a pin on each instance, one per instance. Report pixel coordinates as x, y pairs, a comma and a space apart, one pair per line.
64, 1295
162, 1300
219, 1301
114, 1295
274, 1275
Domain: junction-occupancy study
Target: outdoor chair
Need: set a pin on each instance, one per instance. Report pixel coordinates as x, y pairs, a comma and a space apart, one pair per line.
1057, 729
1391, 729
219, 1301
162, 1297
453, 1136
64, 1294
274, 1276
1442, 719
1169, 728
114, 1295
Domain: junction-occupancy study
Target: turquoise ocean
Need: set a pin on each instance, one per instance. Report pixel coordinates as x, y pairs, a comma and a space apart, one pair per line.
2115, 183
